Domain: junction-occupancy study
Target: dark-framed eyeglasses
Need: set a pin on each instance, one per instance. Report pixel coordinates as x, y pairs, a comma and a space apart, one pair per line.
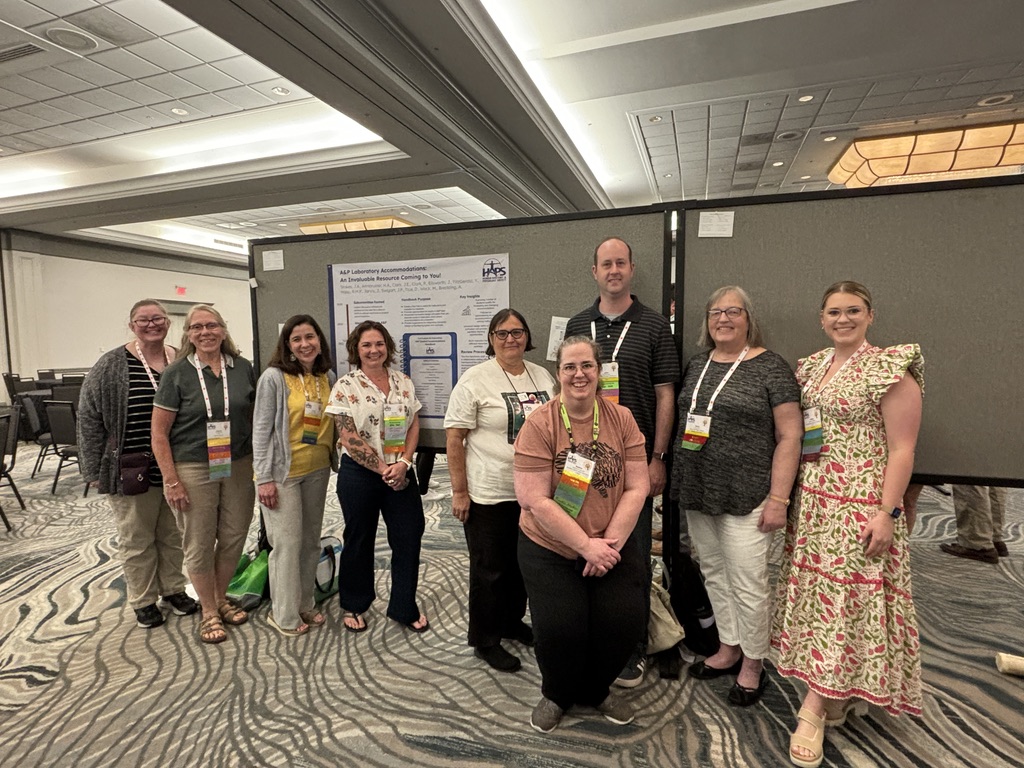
515, 333
197, 327
157, 321
731, 312
569, 369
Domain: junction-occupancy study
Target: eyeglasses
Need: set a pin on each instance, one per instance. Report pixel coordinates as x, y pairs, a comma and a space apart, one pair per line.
159, 321
515, 333
570, 369
731, 312
197, 327
851, 312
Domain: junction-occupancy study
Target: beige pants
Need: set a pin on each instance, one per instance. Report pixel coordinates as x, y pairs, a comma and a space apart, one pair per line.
979, 515
216, 521
149, 544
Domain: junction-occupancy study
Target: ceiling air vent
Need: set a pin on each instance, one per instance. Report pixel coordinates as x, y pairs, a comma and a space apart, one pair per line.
18, 52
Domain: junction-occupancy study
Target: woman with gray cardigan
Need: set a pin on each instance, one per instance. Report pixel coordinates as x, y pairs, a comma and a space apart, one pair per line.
292, 445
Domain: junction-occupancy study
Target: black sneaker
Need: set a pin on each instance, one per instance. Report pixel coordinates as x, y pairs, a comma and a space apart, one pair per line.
181, 604
633, 674
498, 658
149, 617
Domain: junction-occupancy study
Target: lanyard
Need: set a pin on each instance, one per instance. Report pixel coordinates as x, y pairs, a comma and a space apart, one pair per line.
202, 383
824, 367
568, 426
391, 385
510, 382
721, 384
145, 364
625, 328
305, 392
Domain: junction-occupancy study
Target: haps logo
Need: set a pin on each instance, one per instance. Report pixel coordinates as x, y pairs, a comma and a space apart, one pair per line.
493, 270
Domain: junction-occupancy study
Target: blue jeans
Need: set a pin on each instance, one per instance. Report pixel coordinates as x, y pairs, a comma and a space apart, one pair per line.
364, 500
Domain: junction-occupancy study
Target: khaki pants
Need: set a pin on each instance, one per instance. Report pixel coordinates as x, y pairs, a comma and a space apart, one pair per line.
149, 544
979, 515
216, 521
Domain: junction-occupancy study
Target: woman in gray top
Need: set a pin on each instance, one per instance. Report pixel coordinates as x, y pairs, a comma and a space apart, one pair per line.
292, 439
736, 457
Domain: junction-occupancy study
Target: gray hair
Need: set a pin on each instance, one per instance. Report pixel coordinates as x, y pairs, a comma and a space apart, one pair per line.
754, 337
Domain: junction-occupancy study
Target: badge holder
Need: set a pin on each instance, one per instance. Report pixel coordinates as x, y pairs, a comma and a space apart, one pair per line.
609, 382
218, 449
698, 428
814, 439
573, 485
311, 420
394, 428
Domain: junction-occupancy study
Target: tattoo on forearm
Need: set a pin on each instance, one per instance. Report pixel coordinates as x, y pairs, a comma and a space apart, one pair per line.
366, 457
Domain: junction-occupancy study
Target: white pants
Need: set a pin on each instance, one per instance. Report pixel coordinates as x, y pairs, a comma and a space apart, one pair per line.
734, 561
293, 530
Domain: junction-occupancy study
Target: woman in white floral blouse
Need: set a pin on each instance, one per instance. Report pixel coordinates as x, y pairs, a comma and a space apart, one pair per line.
375, 409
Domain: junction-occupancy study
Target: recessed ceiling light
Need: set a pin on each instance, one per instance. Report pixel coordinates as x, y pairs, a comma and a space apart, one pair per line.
246, 224
72, 39
179, 111
789, 135
777, 163
992, 101
830, 138
767, 185
280, 91
805, 99
804, 178
655, 119
668, 175
282, 225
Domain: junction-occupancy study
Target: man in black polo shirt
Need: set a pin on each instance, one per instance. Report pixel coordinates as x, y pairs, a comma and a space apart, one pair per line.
637, 347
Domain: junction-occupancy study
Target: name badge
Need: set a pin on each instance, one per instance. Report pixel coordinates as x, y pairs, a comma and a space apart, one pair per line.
814, 439
311, 418
696, 433
609, 381
218, 448
528, 403
573, 485
394, 428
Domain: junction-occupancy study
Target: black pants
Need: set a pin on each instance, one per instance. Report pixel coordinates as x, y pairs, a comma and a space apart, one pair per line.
586, 627
497, 597
365, 498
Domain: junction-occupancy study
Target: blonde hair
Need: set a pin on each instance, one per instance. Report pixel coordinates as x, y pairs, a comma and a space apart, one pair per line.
754, 337
848, 286
227, 346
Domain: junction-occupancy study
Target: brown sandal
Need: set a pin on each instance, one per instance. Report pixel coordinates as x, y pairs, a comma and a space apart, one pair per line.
232, 614
356, 617
313, 618
211, 630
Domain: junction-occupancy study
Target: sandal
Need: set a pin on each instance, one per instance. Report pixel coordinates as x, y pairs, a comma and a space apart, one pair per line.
299, 630
853, 707
420, 629
231, 613
813, 745
211, 630
313, 618
357, 617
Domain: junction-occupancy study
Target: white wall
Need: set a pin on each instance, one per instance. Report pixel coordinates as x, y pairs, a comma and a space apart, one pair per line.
64, 313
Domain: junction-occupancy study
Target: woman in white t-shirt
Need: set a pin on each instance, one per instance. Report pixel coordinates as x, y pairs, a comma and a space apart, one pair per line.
487, 407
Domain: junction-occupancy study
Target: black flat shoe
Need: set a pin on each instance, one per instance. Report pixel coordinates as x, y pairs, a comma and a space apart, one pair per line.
498, 658
747, 697
521, 634
702, 671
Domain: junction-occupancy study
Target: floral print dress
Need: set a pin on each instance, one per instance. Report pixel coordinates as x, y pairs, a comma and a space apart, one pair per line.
846, 624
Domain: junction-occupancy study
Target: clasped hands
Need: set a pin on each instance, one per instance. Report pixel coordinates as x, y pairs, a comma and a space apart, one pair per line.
601, 556
395, 476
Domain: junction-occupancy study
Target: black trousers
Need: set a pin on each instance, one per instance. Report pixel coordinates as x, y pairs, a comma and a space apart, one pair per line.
585, 627
497, 596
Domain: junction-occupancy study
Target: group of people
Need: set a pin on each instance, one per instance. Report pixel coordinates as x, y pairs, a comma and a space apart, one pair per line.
553, 480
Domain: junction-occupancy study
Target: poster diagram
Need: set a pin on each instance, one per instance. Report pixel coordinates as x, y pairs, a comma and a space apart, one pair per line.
436, 310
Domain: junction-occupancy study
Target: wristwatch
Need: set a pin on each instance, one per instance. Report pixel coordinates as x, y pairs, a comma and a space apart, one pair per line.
659, 456
896, 512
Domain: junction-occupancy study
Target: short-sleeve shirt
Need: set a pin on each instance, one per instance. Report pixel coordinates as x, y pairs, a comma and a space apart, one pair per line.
356, 396
487, 400
307, 457
647, 357
180, 392
543, 445
731, 474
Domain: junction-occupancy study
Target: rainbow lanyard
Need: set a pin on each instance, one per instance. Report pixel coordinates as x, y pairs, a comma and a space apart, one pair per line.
578, 471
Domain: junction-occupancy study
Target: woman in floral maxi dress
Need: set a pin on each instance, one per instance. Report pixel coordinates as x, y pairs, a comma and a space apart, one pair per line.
846, 624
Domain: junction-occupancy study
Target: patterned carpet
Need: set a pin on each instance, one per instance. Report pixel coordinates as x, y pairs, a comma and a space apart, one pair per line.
80, 685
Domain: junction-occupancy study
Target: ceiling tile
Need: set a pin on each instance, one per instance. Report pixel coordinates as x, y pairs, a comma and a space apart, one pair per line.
126, 63
76, 106
41, 139
108, 100
166, 107
210, 104
761, 104
137, 92
172, 85
60, 81
208, 78
120, 123
110, 26
893, 86
1011, 84
12, 99
796, 110
922, 97
245, 97
152, 15
164, 55
690, 113
877, 102
33, 90
832, 107
93, 129
203, 45
845, 92
993, 72
966, 90
91, 72
728, 108
149, 117
660, 141
22, 14
870, 115
66, 135
246, 70
21, 143
26, 121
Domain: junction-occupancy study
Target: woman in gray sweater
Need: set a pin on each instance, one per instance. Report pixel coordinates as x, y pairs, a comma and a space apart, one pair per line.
292, 445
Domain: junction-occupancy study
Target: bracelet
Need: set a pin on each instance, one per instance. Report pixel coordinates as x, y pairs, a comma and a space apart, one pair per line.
783, 502
172, 485
406, 462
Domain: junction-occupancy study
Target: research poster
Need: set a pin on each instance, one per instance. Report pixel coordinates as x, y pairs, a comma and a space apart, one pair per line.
437, 311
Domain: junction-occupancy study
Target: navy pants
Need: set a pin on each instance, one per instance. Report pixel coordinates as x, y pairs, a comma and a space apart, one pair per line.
585, 627
497, 596
365, 498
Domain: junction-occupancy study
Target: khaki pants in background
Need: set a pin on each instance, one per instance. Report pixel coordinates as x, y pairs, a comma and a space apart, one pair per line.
979, 515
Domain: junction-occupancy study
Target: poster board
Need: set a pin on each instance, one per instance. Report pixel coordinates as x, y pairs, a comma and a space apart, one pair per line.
549, 263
